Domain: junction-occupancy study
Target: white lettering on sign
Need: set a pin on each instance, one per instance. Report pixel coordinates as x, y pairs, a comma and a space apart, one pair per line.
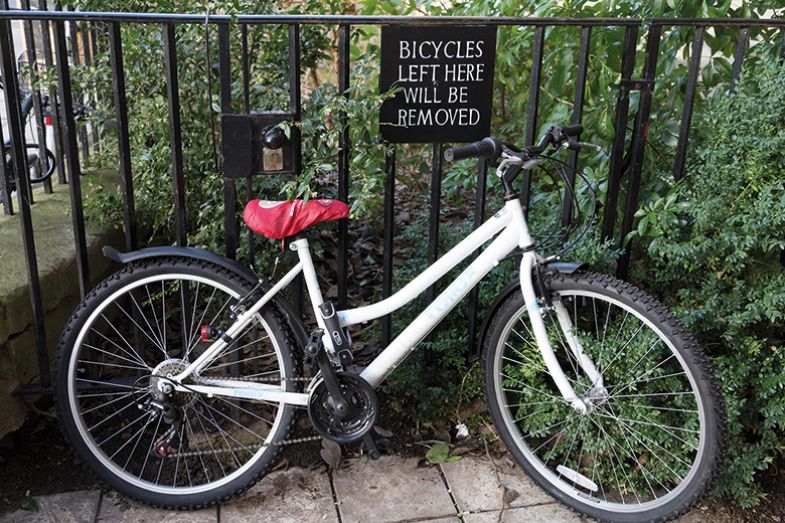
444, 81
460, 116
437, 50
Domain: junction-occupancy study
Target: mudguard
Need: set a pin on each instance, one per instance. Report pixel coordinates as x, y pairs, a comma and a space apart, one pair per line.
512, 287
296, 325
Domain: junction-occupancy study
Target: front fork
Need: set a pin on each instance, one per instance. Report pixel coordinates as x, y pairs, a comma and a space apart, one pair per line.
528, 265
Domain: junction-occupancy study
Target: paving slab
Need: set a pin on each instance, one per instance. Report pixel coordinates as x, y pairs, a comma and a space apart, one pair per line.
291, 496
550, 513
390, 489
70, 507
476, 486
116, 509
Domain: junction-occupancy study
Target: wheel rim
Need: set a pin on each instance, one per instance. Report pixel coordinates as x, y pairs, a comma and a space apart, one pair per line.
225, 432
647, 434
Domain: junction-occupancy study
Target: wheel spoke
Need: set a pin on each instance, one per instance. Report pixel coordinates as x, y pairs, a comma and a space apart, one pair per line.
123, 348
617, 453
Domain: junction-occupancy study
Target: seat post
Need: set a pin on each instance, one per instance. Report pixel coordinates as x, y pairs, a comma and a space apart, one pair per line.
300, 246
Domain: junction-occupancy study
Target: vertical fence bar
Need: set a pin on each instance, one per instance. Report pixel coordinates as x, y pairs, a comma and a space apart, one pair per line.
231, 232
90, 52
57, 127
16, 128
6, 177
620, 126
295, 108
72, 156
175, 131
433, 220
531, 110
389, 243
35, 92
479, 218
738, 59
689, 100
246, 73
76, 41
343, 165
123, 145
577, 116
641, 130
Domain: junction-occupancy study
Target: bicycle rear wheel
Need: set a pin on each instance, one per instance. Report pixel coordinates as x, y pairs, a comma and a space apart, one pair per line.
141, 325
652, 440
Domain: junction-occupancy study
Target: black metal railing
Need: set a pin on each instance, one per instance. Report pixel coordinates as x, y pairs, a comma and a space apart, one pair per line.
75, 41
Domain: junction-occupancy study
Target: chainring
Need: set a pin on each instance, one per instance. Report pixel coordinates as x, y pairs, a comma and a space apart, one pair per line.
362, 403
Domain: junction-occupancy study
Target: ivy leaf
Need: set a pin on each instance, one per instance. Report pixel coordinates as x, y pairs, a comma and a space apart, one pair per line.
438, 454
29, 504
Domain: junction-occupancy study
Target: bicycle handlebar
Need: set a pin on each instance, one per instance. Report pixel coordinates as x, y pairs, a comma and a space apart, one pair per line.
491, 148
485, 148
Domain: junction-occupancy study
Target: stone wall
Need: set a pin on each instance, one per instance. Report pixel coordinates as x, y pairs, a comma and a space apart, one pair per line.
54, 241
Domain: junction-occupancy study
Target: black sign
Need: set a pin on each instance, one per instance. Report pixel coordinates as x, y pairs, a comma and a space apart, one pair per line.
444, 76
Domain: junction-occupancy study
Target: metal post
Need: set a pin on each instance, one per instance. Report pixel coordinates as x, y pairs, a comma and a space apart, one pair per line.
389, 241
343, 165
36, 93
123, 145
479, 217
577, 115
641, 130
689, 100
533, 103
90, 52
433, 220
19, 155
738, 59
295, 108
249, 192
620, 126
6, 177
76, 40
72, 157
175, 132
231, 233
57, 126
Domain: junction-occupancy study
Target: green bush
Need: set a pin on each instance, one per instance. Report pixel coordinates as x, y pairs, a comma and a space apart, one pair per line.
714, 247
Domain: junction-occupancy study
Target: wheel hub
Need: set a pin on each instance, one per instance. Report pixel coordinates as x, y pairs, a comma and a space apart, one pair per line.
594, 397
162, 388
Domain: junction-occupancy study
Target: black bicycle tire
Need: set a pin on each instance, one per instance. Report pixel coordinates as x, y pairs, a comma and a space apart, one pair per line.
684, 342
196, 501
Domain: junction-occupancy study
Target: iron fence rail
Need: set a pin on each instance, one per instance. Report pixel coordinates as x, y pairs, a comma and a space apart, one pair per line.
68, 137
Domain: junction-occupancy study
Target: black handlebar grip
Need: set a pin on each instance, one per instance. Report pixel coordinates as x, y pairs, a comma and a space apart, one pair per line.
487, 147
573, 130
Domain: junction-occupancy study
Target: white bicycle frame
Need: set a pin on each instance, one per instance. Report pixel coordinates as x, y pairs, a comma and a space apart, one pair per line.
510, 226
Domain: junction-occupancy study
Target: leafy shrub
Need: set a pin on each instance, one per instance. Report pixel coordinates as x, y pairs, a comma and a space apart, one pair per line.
714, 252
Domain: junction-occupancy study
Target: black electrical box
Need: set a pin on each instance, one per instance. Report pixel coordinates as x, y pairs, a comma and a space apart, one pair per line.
256, 143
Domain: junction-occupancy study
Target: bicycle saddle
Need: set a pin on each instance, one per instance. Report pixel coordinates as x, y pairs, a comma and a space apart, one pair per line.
277, 220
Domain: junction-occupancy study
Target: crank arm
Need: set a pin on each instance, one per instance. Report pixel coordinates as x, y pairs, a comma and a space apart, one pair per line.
246, 390
541, 335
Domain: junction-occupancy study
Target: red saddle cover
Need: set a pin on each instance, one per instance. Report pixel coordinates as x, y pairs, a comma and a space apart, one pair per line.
277, 220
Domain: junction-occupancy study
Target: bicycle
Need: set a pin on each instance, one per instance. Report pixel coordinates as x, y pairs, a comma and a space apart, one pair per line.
39, 168
178, 378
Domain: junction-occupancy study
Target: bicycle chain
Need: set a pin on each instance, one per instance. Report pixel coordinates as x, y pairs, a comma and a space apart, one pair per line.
291, 441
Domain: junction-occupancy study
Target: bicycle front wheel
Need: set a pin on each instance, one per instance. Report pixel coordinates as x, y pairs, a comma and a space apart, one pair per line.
651, 441
142, 325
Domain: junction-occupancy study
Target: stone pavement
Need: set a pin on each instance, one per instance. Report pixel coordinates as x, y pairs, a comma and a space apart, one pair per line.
390, 490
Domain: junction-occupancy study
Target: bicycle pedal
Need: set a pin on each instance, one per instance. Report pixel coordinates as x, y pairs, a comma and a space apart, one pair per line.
370, 446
